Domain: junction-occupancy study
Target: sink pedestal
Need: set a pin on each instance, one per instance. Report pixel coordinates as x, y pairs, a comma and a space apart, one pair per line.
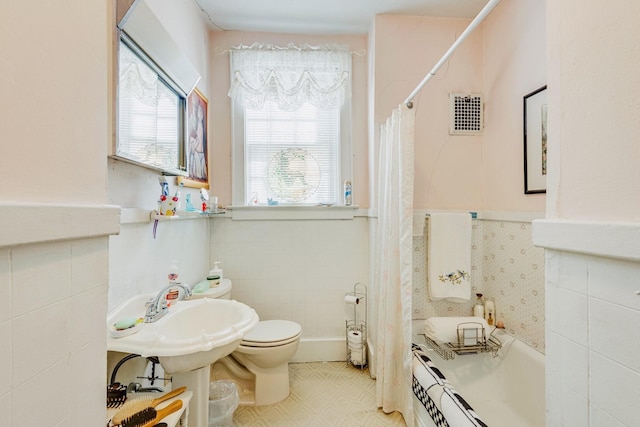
198, 382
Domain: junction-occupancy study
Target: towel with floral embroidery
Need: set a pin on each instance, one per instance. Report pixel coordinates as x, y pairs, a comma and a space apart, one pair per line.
449, 256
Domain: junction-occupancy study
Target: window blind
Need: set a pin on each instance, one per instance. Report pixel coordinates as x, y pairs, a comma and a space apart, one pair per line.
149, 115
292, 157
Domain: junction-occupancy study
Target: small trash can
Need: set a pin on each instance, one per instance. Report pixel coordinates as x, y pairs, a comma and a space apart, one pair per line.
223, 401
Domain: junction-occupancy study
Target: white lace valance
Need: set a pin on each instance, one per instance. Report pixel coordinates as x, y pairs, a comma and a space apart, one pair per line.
290, 76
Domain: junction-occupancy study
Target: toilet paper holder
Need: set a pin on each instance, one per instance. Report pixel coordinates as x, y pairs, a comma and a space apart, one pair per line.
356, 328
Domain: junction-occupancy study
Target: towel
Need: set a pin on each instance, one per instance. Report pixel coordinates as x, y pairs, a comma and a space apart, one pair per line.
418, 223
449, 256
445, 329
457, 411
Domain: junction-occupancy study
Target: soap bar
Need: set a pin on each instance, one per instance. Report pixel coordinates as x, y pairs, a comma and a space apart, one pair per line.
201, 287
125, 323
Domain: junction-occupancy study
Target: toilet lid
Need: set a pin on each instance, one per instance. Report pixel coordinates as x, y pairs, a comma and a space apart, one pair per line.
270, 331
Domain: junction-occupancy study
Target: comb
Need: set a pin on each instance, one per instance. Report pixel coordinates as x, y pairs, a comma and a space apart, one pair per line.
116, 395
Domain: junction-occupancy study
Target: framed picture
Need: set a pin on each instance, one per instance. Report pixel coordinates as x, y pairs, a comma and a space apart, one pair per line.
535, 141
197, 142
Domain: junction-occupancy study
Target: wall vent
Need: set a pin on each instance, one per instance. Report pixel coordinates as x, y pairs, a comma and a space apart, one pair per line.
466, 114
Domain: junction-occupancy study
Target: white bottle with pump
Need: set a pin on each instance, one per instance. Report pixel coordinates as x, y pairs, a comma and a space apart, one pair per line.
478, 309
216, 270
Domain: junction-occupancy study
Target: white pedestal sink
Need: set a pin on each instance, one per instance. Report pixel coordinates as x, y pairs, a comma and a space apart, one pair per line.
187, 340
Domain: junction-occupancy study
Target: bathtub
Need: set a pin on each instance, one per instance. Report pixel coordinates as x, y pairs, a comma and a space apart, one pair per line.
505, 391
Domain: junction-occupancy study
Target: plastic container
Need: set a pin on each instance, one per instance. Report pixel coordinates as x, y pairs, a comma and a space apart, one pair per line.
478, 309
216, 270
223, 401
348, 196
489, 311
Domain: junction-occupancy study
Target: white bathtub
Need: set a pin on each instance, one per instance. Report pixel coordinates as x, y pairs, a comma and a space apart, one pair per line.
505, 391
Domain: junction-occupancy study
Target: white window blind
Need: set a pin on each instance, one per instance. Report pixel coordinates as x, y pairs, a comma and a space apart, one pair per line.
149, 115
292, 156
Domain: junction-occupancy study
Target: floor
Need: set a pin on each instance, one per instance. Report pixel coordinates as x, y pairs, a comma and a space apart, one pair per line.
322, 394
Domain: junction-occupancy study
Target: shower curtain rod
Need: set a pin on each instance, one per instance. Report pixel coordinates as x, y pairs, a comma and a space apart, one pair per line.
472, 26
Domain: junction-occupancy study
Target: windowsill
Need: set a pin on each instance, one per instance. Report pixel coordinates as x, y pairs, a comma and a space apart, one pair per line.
240, 213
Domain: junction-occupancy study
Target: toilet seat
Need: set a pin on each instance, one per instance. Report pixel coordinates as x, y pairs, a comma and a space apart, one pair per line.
272, 333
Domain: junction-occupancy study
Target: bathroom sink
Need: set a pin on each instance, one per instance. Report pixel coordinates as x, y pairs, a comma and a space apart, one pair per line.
192, 335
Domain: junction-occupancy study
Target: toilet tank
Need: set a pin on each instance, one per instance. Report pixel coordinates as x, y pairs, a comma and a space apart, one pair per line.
222, 291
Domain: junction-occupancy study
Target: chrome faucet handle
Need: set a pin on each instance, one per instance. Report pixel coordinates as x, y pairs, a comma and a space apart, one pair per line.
158, 306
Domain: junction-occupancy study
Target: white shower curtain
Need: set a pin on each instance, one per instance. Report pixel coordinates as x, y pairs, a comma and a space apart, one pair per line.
393, 269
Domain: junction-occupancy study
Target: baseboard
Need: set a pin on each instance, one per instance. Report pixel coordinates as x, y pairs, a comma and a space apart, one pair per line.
321, 350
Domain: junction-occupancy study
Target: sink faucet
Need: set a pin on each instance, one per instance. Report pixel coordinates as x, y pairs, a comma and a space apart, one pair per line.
158, 306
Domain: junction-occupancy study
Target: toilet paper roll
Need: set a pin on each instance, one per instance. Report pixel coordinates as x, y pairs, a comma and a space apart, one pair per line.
351, 299
355, 338
356, 357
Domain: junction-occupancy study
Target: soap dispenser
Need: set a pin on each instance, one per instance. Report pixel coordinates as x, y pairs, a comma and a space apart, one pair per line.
216, 270
478, 309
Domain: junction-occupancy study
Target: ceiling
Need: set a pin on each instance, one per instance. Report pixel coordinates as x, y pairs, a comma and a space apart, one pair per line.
324, 16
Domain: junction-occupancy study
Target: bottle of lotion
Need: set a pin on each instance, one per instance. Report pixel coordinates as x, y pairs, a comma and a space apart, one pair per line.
216, 270
478, 309
489, 311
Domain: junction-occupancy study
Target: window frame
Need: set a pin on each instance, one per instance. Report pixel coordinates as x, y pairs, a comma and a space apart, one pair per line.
239, 197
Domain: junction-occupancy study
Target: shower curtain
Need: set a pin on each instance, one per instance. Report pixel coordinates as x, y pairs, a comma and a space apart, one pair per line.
393, 259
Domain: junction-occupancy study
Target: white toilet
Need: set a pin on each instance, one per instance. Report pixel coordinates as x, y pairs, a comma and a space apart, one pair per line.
260, 365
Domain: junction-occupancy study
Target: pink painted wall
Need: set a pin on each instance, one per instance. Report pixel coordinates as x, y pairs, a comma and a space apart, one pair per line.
448, 172
220, 105
504, 59
514, 65
54, 116
593, 62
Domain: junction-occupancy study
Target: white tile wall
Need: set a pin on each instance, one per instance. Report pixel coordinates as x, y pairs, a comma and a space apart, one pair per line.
138, 262
294, 270
506, 267
593, 373
53, 360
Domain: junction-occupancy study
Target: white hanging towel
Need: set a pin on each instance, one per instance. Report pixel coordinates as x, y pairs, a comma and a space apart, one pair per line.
449, 256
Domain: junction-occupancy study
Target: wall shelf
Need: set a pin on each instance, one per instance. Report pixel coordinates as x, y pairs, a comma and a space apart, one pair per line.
141, 216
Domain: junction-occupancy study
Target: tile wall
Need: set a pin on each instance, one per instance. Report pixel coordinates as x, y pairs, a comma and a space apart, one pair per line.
593, 375
505, 266
295, 270
54, 296
138, 262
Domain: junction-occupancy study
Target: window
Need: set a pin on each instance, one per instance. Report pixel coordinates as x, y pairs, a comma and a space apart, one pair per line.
150, 114
291, 124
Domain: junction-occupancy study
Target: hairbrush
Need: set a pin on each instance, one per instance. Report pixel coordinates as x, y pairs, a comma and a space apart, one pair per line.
132, 406
149, 417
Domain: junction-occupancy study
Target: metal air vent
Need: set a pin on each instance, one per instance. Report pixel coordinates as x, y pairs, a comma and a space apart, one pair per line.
466, 114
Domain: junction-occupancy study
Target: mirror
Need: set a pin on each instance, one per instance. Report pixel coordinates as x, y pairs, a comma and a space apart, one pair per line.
154, 78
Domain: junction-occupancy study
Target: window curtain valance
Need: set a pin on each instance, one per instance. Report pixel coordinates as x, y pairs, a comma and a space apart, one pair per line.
290, 75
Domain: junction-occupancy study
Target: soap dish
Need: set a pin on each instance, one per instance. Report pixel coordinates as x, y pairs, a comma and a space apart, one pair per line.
119, 333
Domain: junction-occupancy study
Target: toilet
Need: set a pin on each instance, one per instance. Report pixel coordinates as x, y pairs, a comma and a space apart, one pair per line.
259, 366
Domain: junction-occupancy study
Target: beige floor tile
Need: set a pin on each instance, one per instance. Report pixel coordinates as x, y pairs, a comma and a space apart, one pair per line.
326, 394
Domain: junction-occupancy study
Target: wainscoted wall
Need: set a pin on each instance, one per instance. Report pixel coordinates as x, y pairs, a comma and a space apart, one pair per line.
505, 266
296, 270
593, 309
139, 263
53, 283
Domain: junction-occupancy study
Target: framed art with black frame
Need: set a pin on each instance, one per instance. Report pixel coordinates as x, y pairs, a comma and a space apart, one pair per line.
535, 141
